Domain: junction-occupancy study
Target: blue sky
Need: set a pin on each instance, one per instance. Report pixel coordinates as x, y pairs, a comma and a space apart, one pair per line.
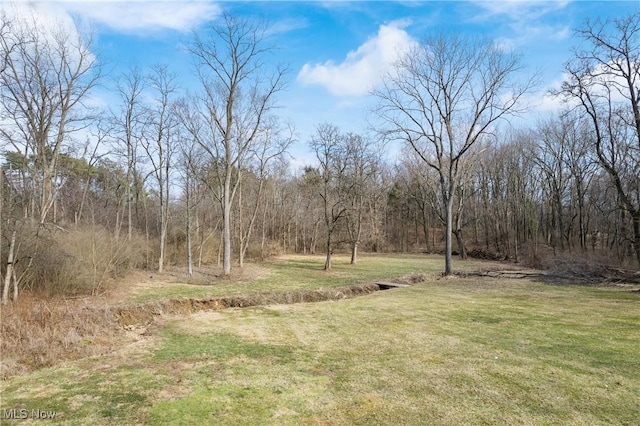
336, 50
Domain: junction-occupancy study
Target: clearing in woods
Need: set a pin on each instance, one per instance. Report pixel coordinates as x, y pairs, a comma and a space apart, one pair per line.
471, 349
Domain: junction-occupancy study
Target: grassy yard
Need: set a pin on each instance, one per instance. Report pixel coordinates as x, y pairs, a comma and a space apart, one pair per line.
444, 352
292, 273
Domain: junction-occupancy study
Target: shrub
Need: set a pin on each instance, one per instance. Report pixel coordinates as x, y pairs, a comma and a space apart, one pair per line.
75, 262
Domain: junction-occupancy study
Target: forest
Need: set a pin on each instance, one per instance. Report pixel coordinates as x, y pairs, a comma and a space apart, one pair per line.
169, 177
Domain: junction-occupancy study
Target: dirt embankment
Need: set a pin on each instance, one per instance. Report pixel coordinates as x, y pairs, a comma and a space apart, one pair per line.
145, 313
38, 333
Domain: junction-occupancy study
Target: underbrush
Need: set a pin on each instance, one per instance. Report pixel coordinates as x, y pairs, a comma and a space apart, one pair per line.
38, 333
593, 271
55, 262
582, 267
578, 266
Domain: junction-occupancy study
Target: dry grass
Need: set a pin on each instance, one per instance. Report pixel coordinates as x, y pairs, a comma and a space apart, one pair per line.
40, 332
474, 350
462, 350
37, 333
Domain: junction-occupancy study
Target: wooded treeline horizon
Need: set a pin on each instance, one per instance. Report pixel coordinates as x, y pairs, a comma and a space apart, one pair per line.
170, 177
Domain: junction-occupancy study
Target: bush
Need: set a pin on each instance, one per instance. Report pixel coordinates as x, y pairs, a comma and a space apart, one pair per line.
256, 252
76, 262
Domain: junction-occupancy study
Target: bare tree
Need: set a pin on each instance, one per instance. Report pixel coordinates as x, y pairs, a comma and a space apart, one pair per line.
329, 149
308, 207
270, 145
159, 143
604, 79
8, 43
362, 169
444, 95
419, 189
550, 157
188, 170
238, 95
565, 160
99, 134
47, 76
128, 125
582, 166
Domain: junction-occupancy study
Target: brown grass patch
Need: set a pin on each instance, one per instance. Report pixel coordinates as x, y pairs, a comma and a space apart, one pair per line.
38, 333
140, 282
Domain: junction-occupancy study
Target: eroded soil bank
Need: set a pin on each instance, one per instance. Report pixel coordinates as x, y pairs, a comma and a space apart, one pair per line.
144, 313
40, 333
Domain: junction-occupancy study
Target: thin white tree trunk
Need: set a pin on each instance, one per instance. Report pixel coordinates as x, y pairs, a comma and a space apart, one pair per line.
9, 271
226, 230
189, 250
448, 232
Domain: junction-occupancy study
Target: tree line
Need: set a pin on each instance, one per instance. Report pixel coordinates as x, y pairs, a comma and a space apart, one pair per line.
171, 176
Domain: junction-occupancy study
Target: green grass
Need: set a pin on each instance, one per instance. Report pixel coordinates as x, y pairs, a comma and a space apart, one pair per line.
445, 352
298, 272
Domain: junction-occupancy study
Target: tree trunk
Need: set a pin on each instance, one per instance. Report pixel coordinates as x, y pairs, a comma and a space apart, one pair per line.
460, 242
448, 232
241, 239
636, 234
9, 274
425, 225
226, 243
354, 253
163, 239
304, 238
263, 239
46, 199
327, 262
226, 227
147, 260
15, 284
164, 216
515, 243
189, 248
246, 238
314, 239
220, 249
129, 210
458, 228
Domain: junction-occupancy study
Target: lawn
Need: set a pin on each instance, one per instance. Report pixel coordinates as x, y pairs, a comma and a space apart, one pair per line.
292, 273
447, 351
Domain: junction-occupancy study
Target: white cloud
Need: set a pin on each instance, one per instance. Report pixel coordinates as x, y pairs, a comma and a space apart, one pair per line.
546, 102
286, 25
44, 16
363, 68
134, 16
520, 9
523, 34
526, 20
144, 16
53, 26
